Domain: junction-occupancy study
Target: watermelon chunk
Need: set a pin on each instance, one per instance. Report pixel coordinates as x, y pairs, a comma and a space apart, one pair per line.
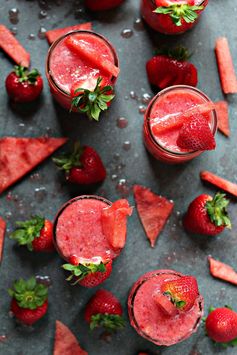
114, 223
89, 53
18, 156
12, 47
65, 342
165, 304
153, 211
2, 236
221, 108
226, 66
219, 182
222, 271
52, 35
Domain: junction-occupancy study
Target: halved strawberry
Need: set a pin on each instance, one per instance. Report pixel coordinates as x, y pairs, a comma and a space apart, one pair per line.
222, 271
153, 211
219, 182
54, 34
2, 236
196, 135
84, 50
221, 108
226, 66
182, 292
165, 304
114, 223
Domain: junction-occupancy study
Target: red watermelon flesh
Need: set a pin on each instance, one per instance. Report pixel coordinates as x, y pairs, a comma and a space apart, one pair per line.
222, 271
221, 108
52, 35
2, 236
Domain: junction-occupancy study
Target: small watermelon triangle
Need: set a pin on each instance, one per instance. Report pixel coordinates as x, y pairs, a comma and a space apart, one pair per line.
221, 108
65, 342
153, 210
52, 35
18, 156
222, 271
2, 236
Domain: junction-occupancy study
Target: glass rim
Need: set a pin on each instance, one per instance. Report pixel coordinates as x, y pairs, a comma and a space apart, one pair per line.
153, 101
57, 41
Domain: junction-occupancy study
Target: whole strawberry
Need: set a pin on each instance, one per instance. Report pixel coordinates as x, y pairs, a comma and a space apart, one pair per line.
23, 86
182, 292
207, 215
88, 274
104, 310
171, 67
102, 4
29, 300
83, 166
221, 326
36, 234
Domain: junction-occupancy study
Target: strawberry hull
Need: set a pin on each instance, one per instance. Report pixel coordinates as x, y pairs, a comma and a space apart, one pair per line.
150, 321
164, 23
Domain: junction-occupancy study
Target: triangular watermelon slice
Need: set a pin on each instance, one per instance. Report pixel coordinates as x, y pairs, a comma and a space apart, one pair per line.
2, 236
153, 210
65, 342
52, 35
12, 47
221, 108
18, 156
222, 271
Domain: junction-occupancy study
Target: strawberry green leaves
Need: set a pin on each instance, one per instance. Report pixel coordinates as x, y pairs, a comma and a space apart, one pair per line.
69, 160
216, 209
180, 12
110, 322
25, 75
82, 270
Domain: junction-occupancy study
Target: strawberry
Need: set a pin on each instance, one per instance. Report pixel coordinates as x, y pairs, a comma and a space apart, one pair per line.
182, 292
219, 182
104, 310
153, 210
29, 300
36, 234
221, 326
92, 96
170, 67
222, 271
207, 215
83, 166
102, 5
114, 223
24, 86
88, 274
196, 135
222, 113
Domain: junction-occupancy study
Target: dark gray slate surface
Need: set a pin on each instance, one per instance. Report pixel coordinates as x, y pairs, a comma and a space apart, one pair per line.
45, 192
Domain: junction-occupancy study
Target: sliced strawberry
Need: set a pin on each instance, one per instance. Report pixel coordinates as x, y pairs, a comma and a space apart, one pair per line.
165, 304
153, 211
20, 155
2, 236
12, 47
221, 108
196, 135
114, 223
219, 182
53, 35
226, 66
65, 342
222, 271
84, 50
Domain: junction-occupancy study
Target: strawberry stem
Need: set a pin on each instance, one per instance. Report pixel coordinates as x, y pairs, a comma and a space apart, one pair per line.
24, 75
80, 271
67, 161
111, 322
180, 12
216, 209
179, 53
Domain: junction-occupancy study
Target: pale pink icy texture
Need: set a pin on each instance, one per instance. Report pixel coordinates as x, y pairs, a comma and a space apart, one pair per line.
79, 231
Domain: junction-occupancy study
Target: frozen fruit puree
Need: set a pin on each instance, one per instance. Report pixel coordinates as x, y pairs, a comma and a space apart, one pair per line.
150, 321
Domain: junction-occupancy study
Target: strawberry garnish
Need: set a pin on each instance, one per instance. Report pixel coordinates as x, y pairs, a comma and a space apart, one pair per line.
196, 135
36, 234
221, 326
2, 236
219, 182
222, 271
83, 166
104, 310
29, 300
114, 223
182, 292
88, 274
222, 113
207, 215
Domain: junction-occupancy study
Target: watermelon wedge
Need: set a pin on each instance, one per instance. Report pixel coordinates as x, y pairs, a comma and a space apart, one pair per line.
221, 108
176, 120
65, 342
165, 304
18, 156
12, 47
226, 66
153, 211
222, 271
89, 53
52, 35
2, 236
219, 182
